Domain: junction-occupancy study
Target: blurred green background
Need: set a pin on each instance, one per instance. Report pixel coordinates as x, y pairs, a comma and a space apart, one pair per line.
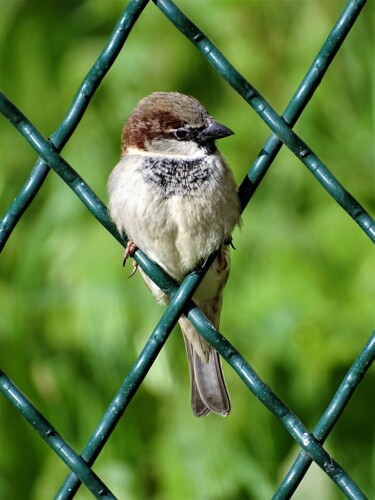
299, 302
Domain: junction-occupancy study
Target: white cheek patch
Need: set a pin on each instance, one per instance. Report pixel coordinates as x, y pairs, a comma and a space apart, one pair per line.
175, 148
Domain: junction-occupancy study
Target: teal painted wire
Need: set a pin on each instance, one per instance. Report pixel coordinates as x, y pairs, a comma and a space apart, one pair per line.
136, 375
305, 91
269, 115
307, 442
54, 440
72, 118
329, 418
301, 97
50, 156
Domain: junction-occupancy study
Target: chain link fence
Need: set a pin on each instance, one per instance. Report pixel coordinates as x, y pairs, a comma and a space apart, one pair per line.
282, 133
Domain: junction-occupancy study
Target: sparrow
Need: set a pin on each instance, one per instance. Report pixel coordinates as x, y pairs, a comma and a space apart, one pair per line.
174, 197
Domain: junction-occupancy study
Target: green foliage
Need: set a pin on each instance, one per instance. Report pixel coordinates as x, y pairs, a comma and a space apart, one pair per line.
299, 302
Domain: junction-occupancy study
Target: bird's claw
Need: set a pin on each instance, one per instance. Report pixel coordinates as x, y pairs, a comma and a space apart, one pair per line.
229, 241
135, 267
129, 251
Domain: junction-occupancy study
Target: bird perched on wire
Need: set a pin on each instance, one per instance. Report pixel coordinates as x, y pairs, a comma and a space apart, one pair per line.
175, 198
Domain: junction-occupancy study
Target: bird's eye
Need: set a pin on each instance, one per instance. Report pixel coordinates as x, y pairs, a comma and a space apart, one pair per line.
181, 133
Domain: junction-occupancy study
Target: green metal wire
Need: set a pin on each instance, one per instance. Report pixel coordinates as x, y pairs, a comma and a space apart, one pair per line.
329, 418
50, 156
269, 115
301, 97
136, 375
73, 116
311, 443
307, 441
52, 437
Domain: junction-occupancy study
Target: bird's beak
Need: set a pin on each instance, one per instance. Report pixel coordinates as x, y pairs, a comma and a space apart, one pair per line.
213, 131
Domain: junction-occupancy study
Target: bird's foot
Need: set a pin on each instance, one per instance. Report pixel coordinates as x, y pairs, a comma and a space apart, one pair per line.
129, 251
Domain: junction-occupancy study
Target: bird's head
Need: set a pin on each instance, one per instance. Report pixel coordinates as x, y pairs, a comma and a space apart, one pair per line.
169, 123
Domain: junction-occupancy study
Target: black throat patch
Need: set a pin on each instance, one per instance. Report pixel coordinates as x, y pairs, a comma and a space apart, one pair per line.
169, 176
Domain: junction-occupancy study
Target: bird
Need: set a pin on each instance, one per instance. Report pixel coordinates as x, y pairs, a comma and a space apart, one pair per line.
174, 197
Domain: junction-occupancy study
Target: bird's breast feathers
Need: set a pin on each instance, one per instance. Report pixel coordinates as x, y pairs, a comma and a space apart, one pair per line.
176, 209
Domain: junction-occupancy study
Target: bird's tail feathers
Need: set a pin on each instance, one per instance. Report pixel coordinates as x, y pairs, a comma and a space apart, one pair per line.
208, 388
